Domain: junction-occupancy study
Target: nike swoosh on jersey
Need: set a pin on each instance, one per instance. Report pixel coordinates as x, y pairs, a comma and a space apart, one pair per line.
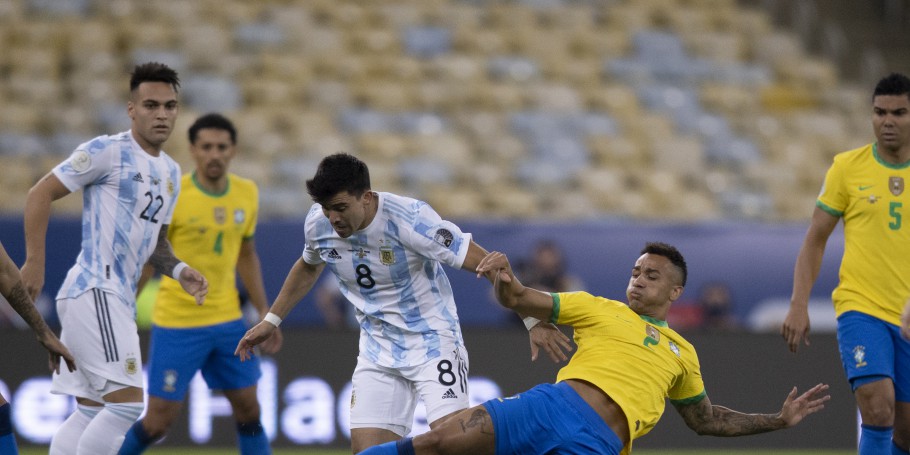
865, 187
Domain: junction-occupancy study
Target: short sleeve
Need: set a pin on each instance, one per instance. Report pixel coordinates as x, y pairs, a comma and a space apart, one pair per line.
88, 164
833, 198
310, 253
689, 388
437, 239
253, 217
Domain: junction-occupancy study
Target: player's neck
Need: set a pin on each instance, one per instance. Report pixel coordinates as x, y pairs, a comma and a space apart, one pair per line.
151, 149
211, 186
899, 156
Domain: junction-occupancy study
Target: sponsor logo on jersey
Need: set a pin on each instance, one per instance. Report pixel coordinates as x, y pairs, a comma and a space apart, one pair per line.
155, 180
449, 394
170, 379
386, 255
872, 199
896, 184
81, 161
443, 237
239, 216
333, 254
220, 215
859, 356
360, 253
138, 177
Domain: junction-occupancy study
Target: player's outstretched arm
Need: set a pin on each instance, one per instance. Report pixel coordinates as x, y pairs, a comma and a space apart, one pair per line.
13, 290
298, 283
712, 420
250, 270
36, 217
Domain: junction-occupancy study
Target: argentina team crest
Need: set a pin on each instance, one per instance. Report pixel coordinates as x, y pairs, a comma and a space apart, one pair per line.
131, 365
896, 185
386, 255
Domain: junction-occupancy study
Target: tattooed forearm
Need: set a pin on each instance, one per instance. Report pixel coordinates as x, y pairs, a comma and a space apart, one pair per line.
480, 419
20, 301
163, 259
707, 419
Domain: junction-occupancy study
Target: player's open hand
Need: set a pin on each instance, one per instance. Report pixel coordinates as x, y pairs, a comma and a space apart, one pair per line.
795, 328
495, 266
551, 339
253, 337
273, 343
194, 283
905, 322
796, 408
56, 350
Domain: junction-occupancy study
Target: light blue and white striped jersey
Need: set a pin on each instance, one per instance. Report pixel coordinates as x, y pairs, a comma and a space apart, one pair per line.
392, 272
127, 196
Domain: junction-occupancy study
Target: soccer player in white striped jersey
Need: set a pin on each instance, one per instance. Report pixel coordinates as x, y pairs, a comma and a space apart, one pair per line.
129, 188
387, 252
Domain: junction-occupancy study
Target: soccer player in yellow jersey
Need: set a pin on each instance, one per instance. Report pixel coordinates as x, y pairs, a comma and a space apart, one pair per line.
612, 391
866, 188
212, 229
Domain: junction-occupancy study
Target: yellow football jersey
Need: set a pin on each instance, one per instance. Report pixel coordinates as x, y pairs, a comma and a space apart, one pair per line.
868, 194
638, 361
206, 232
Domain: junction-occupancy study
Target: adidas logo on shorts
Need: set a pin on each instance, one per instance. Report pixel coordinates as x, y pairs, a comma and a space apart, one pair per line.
449, 394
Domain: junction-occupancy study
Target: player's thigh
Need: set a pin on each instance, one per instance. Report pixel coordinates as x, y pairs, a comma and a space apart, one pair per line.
100, 331
175, 355
222, 370
442, 383
866, 348
902, 367
902, 424
381, 398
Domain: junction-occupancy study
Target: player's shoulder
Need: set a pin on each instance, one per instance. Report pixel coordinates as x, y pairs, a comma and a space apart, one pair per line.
854, 155
104, 142
242, 183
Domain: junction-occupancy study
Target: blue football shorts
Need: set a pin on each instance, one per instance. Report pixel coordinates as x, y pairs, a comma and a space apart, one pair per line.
872, 349
176, 354
551, 419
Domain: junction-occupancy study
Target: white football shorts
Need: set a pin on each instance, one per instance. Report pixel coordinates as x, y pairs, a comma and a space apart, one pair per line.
386, 397
99, 329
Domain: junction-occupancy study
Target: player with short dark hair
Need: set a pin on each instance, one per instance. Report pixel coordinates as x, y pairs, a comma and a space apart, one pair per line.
387, 253
613, 389
129, 188
866, 187
213, 229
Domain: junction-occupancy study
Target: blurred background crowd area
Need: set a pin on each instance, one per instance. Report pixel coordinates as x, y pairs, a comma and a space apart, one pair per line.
676, 110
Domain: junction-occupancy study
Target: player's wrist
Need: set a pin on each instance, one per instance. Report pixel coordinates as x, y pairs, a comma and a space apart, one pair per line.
178, 269
272, 318
530, 322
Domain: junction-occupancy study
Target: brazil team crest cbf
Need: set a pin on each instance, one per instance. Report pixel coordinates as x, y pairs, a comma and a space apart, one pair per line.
896, 185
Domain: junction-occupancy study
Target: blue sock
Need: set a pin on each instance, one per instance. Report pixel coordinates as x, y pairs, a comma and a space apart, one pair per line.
874, 440
252, 439
7, 440
136, 440
895, 450
400, 447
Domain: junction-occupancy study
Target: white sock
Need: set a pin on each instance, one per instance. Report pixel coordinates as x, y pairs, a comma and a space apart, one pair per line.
67, 436
104, 435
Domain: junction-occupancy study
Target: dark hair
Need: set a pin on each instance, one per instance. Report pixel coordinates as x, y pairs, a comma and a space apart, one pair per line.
893, 84
153, 72
213, 121
670, 252
337, 173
